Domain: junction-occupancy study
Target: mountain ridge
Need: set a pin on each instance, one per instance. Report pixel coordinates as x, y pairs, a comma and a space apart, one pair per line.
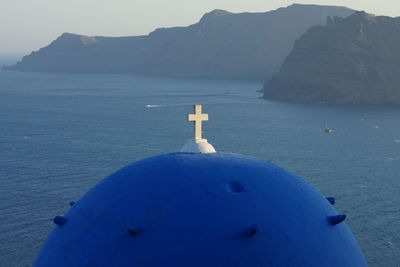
221, 45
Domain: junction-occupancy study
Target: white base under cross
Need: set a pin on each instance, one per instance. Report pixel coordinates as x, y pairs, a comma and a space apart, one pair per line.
198, 146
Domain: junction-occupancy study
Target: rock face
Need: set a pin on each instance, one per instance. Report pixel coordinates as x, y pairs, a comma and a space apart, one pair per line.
351, 60
220, 45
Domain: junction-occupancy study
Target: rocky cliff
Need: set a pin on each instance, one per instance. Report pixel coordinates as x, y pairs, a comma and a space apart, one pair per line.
220, 45
351, 60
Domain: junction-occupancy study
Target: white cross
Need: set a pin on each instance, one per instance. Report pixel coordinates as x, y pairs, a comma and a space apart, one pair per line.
197, 117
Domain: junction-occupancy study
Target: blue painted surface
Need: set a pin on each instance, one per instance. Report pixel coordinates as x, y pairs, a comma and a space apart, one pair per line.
185, 209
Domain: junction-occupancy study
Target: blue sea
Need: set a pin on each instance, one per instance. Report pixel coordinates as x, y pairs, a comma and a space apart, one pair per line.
60, 134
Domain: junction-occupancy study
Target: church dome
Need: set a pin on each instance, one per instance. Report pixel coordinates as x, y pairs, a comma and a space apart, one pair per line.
201, 209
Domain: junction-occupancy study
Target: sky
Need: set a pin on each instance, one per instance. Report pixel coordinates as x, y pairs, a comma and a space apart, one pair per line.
27, 25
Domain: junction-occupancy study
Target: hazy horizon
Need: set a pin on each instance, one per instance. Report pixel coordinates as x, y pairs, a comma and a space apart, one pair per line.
26, 26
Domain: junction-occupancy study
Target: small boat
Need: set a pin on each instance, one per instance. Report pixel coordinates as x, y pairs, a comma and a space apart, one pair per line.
328, 129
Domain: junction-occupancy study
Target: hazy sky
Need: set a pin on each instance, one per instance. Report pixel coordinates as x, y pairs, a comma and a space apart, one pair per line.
27, 25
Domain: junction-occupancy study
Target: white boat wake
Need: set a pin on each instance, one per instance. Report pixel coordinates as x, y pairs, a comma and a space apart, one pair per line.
154, 106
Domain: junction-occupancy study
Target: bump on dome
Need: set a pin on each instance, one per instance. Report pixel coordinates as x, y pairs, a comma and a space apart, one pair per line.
333, 220
60, 220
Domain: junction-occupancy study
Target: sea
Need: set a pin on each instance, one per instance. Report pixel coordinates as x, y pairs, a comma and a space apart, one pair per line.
60, 134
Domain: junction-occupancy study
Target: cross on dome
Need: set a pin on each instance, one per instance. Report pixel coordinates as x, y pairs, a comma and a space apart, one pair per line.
198, 144
197, 118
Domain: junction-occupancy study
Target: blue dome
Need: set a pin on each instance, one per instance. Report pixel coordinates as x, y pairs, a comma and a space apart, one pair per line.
187, 209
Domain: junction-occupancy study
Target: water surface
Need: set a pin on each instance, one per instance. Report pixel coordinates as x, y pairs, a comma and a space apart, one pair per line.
61, 134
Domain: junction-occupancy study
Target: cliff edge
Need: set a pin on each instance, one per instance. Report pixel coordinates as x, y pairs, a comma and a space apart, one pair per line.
351, 60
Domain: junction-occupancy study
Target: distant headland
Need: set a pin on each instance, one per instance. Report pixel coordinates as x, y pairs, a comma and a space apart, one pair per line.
220, 45
306, 53
350, 60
